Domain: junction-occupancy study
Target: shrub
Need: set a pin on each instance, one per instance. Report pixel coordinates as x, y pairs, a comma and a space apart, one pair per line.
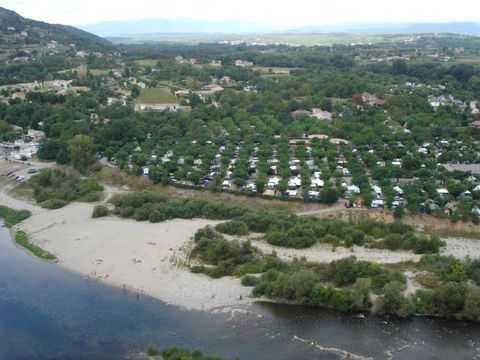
126, 212
233, 227
343, 271
143, 213
53, 204
393, 300
423, 245
250, 280
358, 237
449, 298
348, 242
156, 216
361, 294
398, 212
423, 302
338, 299
197, 269
100, 211
181, 354
398, 227
472, 304
152, 351
295, 286
207, 233
226, 256
474, 271
93, 197
393, 241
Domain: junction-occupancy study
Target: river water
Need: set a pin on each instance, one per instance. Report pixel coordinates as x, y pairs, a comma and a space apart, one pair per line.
49, 313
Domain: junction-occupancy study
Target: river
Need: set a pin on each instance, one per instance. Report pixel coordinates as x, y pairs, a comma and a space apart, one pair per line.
49, 313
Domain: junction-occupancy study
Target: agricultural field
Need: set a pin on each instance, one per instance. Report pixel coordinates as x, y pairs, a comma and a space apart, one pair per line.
156, 96
264, 70
467, 59
147, 62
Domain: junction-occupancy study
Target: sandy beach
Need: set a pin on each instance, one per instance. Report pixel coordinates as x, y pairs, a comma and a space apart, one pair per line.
146, 258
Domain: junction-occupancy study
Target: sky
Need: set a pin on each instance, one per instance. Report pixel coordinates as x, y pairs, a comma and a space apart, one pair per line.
278, 12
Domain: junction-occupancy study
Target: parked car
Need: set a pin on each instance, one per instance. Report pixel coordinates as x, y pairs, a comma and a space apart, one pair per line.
32, 171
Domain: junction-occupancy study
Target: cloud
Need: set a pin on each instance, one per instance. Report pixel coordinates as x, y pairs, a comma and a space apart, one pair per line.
294, 13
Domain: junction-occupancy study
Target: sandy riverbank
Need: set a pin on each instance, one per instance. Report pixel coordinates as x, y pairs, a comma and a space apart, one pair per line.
148, 258
324, 253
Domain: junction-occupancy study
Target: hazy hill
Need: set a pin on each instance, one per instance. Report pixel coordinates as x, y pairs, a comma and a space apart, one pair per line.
17, 30
467, 28
177, 26
136, 28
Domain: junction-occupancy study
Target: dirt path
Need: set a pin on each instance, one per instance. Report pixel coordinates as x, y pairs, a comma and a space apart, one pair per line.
338, 206
323, 253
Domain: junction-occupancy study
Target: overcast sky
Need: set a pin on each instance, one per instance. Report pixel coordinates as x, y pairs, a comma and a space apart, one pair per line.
281, 12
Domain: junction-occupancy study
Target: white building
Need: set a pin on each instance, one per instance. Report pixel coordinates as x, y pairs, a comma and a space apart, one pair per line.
321, 114
243, 63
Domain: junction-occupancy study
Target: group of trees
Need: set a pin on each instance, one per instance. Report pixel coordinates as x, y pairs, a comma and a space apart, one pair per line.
54, 189
304, 231
346, 284
144, 205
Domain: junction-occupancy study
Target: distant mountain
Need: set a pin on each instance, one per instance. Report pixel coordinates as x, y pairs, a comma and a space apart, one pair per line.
136, 28
467, 28
17, 30
131, 28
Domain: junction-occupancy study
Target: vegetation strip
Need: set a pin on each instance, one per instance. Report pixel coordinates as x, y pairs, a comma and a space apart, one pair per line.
281, 228
21, 238
12, 217
175, 353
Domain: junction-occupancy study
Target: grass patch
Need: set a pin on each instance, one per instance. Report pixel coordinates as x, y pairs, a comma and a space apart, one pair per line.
12, 217
156, 96
23, 191
21, 238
